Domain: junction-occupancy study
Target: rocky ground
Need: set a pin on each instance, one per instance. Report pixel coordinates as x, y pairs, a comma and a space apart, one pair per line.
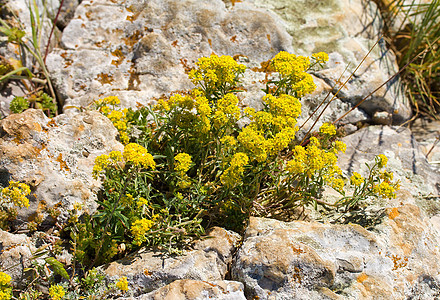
138, 50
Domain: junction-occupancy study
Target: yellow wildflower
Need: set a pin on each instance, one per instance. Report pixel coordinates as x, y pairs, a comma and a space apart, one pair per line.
385, 190
139, 228
381, 160
320, 57
56, 292
142, 201
183, 163
356, 179
5, 279
253, 141
340, 146
16, 194
328, 129
116, 156
122, 284
138, 156
5, 294
231, 176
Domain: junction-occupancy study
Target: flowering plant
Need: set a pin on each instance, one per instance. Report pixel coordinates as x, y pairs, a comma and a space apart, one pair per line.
188, 165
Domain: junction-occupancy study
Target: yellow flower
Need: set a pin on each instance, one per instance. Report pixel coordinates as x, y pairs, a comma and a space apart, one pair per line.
385, 190
337, 184
5, 279
381, 160
231, 176
16, 194
139, 228
356, 179
116, 156
122, 284
56, 292
183, 163
254, 142
340, 146
5, 294
320, 57
142, 201
328, 129
138, 156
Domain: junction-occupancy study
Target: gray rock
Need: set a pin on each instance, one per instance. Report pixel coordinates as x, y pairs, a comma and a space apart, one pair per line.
310, 260
55, 157
187, 289
15, 249
347, 30
148, 270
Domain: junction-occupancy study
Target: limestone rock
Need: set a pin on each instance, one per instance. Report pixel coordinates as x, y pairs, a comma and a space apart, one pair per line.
187, 289
147, 271
55, 157
310, 260
15, 248
139, 50
347, 30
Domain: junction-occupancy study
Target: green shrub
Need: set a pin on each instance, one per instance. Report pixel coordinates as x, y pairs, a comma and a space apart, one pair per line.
188, 165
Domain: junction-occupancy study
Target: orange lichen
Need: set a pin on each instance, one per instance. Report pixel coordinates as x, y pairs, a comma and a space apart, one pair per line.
104, 78
51, 123
297, 275
268, 37
118, 53
63, 165
265, 67
147, 272
133, 39
174, 44
210, 42
235, 1
399, 262
362, 278
393, 213
233, 39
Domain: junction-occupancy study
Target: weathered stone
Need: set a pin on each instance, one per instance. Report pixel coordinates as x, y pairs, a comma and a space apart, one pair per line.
347, 30
15, 249
147, 271
196, 290
55, 157
67, 13
310, 260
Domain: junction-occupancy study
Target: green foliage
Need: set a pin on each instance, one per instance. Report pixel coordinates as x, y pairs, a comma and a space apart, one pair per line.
188, 165
420, 37
39, 100
18, 105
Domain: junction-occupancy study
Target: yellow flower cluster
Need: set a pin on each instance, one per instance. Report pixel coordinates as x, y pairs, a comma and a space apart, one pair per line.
356, 179
315, 160
183, 163
320, 57
381, 160
292, 70
328, 129
139, 228
5, 279
385, 190
215, 71
231, 176
56, 292
289, 64
122, 284
5, 294
138, 156
142, 201
16, 194
104, 161
227, 110
118, 118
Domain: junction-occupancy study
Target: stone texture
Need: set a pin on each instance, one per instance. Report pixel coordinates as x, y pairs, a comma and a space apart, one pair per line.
187, 289
149, 270
310, 260
140, 51
55, 157
347, 30
15, 248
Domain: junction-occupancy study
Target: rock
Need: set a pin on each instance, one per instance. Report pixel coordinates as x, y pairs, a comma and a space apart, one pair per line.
187, 289
426, 132
15, 249
347, 30
66, 13
310, 260
55, 157
8, 93
142, 49
147, 271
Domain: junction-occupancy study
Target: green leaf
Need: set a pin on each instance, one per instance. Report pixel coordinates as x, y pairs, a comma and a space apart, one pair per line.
57, 267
